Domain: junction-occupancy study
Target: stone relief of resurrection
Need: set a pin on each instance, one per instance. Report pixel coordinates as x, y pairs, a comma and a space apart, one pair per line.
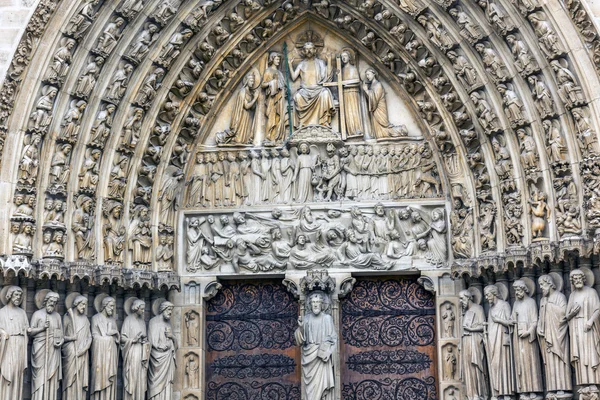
375, 237
314, 84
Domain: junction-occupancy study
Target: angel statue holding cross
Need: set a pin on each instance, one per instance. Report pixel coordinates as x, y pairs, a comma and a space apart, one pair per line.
313, 101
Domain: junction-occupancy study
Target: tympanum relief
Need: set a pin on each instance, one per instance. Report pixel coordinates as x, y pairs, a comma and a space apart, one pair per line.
315, 81
375, 237
310, 133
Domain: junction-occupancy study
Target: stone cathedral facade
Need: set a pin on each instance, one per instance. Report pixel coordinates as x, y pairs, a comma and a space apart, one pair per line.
301, 200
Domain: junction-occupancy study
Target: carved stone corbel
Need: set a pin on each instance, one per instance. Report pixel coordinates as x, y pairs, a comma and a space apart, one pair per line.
292, 287
346, 287
427, 283
211, 290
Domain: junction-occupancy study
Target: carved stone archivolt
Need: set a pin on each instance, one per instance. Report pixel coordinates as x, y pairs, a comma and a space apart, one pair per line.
144, 131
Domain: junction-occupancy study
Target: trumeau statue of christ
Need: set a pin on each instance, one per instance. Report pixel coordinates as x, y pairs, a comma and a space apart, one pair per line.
316, 334
314, 102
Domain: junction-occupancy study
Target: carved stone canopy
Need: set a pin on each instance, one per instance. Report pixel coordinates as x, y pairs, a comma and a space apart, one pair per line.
317, 280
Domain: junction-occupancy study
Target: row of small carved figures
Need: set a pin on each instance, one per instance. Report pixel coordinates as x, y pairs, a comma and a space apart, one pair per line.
383, 173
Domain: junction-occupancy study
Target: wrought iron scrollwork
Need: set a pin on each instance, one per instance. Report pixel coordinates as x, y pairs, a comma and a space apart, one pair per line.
391, 389
389, 313
263, 366
249, 316
383, 362
252, 391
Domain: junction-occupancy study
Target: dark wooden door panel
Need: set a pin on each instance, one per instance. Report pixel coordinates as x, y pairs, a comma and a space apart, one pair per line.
250, 348
388, 341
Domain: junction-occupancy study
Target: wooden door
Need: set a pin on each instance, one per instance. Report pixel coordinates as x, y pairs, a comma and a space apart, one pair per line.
250, 348
388, 349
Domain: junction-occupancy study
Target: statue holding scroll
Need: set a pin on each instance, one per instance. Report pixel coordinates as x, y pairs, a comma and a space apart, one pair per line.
47, 332
75, 351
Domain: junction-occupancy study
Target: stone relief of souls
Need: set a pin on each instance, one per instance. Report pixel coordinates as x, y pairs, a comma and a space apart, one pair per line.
379, 239
326, 89
311, 173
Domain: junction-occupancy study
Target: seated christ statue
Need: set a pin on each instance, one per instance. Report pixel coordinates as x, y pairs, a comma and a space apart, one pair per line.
314, 102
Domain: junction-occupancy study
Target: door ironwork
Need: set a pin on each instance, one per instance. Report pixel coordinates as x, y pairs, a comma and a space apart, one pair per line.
250, 348
388, 349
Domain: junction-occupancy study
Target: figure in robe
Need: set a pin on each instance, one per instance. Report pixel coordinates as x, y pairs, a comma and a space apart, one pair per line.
75, 356
316, 334
583, 310
526, 350
105, 351
314, 102
378, 111
303, 174
502, 369
161, 369
14, 327
274, 86
552, 331
136, 349
45, 354
352, 113
242, 116
474, 368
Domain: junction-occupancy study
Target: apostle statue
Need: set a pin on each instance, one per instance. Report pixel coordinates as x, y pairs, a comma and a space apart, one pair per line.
161, 369
105, 353
526, 350
502, 369
583, 310
317, 336
552, 331
314, 102
136, 350
274, 86
47, 332
13, 343
377, 106
78, 340
473, 366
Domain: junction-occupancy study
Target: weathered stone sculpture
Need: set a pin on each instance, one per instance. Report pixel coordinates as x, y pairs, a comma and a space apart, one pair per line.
14, 328
242, 116
377, 104
105, 351
314, 102
526, 351
273, 85
317, 336
552, 331
161, 369
47, 332
474, 368
502, 369
136, 350
78, 339
583, 311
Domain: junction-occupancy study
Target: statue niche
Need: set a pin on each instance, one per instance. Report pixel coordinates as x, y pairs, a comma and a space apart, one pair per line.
317, 83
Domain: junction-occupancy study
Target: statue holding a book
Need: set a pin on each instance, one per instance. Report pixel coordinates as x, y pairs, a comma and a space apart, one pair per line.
317, 336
